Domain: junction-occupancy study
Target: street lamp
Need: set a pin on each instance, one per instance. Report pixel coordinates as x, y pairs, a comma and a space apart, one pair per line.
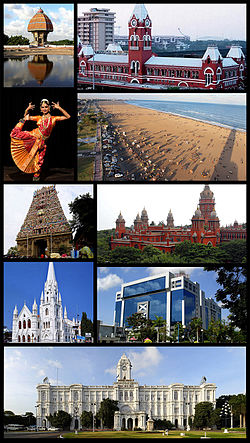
225, 412
93, 404
36, 406
187, 405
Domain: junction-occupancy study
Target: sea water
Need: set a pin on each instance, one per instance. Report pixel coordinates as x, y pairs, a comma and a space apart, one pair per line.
233, 116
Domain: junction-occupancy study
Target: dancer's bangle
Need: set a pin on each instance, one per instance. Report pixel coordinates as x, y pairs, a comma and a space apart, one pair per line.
22, 120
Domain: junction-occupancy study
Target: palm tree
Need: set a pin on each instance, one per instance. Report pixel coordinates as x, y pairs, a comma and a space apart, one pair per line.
238, 406
158, 323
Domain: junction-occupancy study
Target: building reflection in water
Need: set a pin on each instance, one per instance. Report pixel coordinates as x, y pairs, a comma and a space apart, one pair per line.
40, 67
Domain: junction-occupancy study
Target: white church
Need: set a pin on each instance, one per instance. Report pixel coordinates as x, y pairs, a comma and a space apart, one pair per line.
48, 325
138, 405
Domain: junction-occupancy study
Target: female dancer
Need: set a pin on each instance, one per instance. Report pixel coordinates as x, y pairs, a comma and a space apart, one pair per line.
28, 147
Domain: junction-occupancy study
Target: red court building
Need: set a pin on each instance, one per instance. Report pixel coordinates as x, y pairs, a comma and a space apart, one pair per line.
205, 229
141, 68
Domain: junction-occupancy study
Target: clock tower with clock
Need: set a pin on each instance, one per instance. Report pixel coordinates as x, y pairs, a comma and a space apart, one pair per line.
140, 43
124, 368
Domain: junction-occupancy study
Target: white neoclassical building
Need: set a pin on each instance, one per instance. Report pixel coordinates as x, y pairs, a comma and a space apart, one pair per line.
48, 325
137, 404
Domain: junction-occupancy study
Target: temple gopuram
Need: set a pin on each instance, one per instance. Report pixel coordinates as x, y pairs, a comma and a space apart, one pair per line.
45, 226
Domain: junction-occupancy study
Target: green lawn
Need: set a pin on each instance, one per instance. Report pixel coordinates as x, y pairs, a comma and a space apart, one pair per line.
137, 434
85, 168
86, 147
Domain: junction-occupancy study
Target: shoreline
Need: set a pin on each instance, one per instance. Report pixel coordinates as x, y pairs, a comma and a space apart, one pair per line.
22, 51
191, 118
170, 147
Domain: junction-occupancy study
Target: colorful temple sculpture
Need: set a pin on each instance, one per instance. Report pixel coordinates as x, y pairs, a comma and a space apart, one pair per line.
45, 226
40, 25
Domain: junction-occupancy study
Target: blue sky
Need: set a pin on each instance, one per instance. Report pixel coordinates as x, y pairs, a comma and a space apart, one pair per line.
110, 280
159, 198
18, 198
218, 20
18, 15
26, 367
24, 281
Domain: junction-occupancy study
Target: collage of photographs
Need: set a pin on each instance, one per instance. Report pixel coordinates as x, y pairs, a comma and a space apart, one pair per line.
124, 184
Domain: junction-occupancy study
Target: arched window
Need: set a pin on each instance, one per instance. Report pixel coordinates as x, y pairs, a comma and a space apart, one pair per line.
29, 323
28, 339
46, 311
23, 338
20, 325
218, 74
208, 76
19, 339
24, 324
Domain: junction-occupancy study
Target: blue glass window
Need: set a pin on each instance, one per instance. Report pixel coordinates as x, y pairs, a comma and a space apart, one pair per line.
176, 305
157, 305
157, 284
118, 308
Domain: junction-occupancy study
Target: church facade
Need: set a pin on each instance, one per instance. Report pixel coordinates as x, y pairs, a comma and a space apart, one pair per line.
141, 67
137, 404
49, 324
205, 229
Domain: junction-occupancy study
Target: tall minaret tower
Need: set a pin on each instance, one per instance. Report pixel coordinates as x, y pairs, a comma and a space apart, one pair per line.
140, 43
50, 308
123, 369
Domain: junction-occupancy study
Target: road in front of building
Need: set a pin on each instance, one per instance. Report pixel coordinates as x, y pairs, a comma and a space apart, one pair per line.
30, 434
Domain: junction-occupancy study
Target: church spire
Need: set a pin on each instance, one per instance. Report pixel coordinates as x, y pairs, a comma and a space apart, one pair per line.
51, 272
140, 12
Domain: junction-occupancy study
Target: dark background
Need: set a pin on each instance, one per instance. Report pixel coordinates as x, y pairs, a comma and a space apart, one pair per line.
61, 145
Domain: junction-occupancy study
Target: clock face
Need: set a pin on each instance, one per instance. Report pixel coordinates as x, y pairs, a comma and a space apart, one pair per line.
124, 367
134, 22
147, 22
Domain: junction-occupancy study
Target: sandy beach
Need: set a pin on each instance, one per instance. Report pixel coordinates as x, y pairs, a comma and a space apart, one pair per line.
21, 51
179, 148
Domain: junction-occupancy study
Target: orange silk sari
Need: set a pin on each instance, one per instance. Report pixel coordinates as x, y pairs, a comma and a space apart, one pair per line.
28, 148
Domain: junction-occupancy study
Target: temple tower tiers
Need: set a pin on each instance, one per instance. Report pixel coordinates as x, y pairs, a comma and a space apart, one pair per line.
144, 218
206, 203
45, 225
123, 369
170, 220
120, 226
140, 42
40, 25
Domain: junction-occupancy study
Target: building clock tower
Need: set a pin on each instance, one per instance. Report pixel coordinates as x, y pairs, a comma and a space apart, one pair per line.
124, 368
140, 43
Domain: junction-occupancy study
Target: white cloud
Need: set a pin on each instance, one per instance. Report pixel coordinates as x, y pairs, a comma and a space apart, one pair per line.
18, 16
103, 270
146, 360
110, 281
55, 364
175, 270
111, 371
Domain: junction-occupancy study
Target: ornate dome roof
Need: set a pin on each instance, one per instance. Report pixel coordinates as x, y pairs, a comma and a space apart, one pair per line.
170, 215
144, 213
213, 214
206, 193
40, 22
197, 213
120, 218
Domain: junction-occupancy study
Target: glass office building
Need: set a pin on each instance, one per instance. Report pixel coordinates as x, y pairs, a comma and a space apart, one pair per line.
174, 297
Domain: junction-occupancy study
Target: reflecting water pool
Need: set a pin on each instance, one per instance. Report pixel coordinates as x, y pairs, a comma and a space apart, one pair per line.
40, 69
